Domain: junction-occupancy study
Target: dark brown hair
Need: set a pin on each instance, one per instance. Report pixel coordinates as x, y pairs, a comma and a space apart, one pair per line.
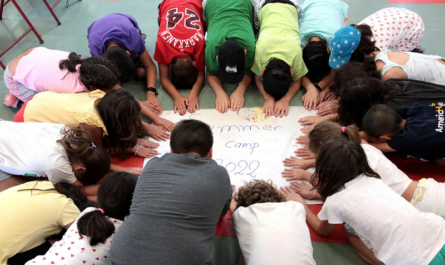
381, 119
366, 45
183, 73
114, 198
79, 146
120, 111
191, 136
327, 130
94, 72
339, 161
257, 191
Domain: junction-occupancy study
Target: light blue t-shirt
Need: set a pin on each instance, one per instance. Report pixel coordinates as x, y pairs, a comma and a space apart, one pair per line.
321, 18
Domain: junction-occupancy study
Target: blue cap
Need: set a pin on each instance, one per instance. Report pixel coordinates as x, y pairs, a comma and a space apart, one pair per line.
344, 43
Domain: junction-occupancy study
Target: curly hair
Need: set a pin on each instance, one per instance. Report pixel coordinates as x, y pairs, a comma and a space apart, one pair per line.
257, 191
366, 45
94, 72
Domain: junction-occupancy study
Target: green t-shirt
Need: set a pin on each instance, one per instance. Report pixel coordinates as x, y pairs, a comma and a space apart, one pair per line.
279, 38
228, 19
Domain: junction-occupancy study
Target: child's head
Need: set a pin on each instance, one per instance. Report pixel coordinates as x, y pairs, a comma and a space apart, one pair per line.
257, 191
94, 72
353, 70
328, 130
339, 161
381, 123
231, 57
89, 163
316, 58
183, 72
277, 78
366, 45
120, 112
360, 94
192, 136
114, 199
121, 58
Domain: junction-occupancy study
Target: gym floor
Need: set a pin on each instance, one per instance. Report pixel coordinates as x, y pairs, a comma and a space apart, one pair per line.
71, 36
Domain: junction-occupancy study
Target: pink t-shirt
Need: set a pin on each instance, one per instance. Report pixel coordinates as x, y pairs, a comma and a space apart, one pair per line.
39, 71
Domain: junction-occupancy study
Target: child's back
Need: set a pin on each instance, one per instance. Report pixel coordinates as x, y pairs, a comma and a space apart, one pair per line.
387, 220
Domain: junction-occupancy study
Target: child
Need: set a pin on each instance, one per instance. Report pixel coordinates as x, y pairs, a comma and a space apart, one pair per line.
319, 22
180, 51
44, 149
415, 130
33, 211
112, 120
425, 195
118, 38
269, 230
354, 194
394, 29
93, 230
230, 49
181, 195
278, 64
40, 69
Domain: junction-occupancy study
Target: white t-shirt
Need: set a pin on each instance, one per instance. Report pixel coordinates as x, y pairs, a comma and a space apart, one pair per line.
274, 233
32, 148
390, 173
399, 233
73, 249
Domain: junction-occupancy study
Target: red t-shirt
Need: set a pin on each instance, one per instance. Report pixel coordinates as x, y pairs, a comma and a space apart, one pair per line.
181, 32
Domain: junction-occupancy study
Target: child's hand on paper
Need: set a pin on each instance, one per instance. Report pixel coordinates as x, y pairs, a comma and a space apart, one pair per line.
326, 95
304, 189
310, 99
153, 104
290, 195
304, 139
309, 120
133, 170
180, 105
163, 123
295, 174
328, 107
268, 106
296, 163
145, 152
147, 143
281, 108
193, 102
307, 129
304, 153
157, 133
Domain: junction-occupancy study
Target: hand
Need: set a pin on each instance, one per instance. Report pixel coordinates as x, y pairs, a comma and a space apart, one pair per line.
180, 105
296, 163
147, 143
193, 103
325, 95
304, 139
290, 195
157, 133
236, 100
153, 103
281, 108
164, 124
310, 120
222, 102
295, 174
311, 99
307, 129
304, 189
268, 106
328, 107
133, 170
305, 153
145, 152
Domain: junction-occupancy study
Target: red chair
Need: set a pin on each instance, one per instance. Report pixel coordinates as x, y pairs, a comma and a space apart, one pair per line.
31, 27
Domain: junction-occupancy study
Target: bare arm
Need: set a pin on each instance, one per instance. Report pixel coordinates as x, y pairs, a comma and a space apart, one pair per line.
384, 147
222, 99
166, 82
327, 80
269, 101
150, 69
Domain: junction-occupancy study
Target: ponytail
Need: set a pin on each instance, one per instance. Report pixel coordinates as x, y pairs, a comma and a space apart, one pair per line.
79, 145
71, 63
96, 226
328, 130
114, 197
75, 193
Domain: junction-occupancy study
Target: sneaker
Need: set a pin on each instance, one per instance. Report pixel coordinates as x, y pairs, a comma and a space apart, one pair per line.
10, 100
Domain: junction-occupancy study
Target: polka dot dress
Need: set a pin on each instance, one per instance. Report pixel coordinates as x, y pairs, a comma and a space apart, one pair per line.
396, 29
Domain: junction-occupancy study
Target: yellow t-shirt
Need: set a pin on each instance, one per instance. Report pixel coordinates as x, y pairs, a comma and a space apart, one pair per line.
279, 39
28, 217
68, 109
